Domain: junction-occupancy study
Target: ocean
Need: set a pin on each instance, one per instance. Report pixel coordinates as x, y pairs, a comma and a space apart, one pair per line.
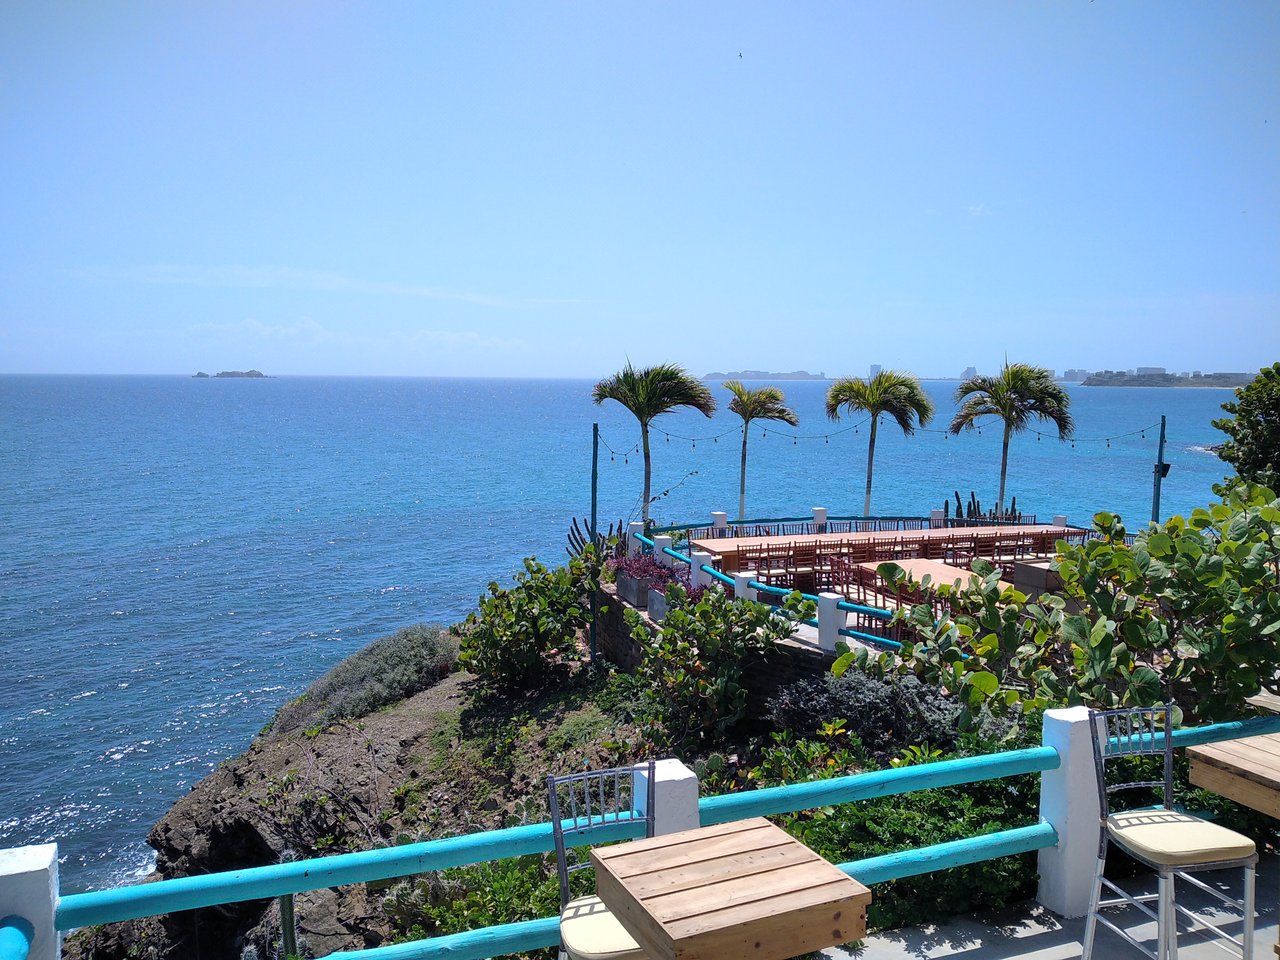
178, 557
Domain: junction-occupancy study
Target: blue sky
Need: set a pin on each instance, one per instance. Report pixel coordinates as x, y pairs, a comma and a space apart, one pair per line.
547, 190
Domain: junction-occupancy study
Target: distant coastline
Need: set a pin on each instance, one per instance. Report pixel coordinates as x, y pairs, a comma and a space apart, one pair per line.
231, 375
765, 375
1119, 378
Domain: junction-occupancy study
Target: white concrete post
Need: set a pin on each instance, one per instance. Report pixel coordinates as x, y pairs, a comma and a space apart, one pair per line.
831, 620
937, 519
1069, 802
675, 796
633, 528
819, 519
698, 577
740, 589
29, 889
664, 558
720, 521
1060, 520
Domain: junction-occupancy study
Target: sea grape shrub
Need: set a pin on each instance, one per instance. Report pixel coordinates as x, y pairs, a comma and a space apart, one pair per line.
1189, 611
884, 825
518, 634
887, 714
385, 672
695, 664
1253, 429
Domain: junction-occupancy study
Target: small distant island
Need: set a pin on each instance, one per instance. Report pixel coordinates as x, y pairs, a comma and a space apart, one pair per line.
765, 375
230, 374
1122, 378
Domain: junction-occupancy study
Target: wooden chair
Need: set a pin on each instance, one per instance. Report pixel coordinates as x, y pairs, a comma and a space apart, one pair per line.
583, 804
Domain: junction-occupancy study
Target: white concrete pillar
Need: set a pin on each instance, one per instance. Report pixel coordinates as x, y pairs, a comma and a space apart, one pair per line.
675, 796
740, 589
697, 576
1069, 802
720, 523
29, 889
633, 528
819, 519
831, 620
1060, 520
659, 554
937, 519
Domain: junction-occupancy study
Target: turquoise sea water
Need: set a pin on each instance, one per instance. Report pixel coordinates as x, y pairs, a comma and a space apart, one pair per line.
179, 556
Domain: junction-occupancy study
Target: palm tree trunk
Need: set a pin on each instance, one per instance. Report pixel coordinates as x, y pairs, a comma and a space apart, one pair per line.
742, 477
648, 465
871, 459
1004, 469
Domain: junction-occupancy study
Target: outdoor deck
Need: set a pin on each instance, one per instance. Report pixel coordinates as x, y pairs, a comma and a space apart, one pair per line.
1029, 932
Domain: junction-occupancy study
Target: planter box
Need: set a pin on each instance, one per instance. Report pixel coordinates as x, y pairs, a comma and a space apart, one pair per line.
658, 604
633, 591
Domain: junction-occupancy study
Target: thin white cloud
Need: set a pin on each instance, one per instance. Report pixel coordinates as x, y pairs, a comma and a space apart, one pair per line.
978, 210
290, 278
308, 330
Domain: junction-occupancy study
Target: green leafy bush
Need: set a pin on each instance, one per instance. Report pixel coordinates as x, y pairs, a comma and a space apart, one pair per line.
385, 672
695, 665
474, 897
520, 633
1190, 611
885, 713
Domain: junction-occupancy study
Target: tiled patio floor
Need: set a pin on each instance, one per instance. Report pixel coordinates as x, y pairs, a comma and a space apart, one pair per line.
1034, 934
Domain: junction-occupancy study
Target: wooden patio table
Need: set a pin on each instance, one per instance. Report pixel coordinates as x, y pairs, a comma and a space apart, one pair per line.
728, 548
939, 572
1245, 770
741, 889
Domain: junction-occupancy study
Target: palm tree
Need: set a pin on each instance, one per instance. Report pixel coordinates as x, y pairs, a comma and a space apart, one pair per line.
1018, 394
649, 393
889, 392
767, 403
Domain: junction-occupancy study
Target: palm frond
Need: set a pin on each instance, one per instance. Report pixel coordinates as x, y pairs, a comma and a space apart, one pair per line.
890, 392
652, 391
764, 403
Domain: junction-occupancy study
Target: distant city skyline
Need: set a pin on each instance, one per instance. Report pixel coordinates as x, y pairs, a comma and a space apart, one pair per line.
551, 191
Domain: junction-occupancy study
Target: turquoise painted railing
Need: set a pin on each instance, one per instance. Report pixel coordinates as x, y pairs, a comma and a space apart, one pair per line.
677, 555
645, 540
722, 577
885, 642
260, 883
16, 935
769, 801
265, 882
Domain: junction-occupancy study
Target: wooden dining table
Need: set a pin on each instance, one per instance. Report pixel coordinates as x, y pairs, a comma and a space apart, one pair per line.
938, 572
729, 548
1245, 770
745, 889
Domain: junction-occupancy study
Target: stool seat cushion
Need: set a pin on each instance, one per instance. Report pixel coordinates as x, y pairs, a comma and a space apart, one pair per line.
1172, 838
588, 931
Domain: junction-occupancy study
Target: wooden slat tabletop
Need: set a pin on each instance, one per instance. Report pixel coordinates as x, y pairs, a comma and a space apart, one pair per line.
728, 548
1246, 770
742, 889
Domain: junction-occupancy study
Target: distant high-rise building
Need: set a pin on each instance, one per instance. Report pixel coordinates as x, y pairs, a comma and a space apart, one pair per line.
875, 368
1149, 371
1075, 375
969, 372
